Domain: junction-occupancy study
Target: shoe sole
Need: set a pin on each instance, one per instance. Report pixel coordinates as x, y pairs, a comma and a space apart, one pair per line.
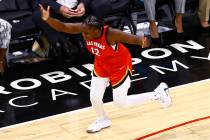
90, 131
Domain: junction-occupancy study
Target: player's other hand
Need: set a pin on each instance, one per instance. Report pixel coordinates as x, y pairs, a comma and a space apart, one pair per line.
145, 42
44, 13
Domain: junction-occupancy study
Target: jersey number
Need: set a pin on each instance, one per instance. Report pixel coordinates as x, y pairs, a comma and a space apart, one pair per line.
95, 51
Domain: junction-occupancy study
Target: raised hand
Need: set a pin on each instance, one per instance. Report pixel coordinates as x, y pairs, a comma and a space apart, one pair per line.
44, 13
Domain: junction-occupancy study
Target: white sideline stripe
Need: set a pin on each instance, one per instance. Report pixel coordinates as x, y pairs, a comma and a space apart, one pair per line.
75, 111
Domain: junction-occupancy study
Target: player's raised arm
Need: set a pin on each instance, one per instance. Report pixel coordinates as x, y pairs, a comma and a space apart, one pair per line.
72, 28
116, 35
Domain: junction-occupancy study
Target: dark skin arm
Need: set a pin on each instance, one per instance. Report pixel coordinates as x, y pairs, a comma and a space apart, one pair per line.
72, 28
115, 35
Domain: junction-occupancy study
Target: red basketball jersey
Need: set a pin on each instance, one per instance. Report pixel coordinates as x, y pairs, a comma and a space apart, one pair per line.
114, 63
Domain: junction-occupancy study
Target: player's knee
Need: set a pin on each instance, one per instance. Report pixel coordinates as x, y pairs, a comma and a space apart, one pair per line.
119, 100
120, 104
95, 99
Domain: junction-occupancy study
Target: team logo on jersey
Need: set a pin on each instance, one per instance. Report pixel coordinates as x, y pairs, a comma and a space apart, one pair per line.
96, 44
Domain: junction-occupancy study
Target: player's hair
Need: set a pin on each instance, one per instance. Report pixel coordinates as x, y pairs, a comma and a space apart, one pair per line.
94, 22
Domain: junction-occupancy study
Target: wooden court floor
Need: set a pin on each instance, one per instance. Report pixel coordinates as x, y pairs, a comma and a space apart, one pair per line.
190, 102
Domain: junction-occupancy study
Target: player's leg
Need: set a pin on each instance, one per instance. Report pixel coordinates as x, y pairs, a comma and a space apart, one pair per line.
121, 99
98, 87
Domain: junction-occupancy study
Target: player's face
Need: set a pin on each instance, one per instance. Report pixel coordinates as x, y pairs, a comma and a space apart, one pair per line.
92, 32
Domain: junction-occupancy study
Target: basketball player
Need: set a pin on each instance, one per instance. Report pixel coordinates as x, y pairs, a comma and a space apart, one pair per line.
112, 64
